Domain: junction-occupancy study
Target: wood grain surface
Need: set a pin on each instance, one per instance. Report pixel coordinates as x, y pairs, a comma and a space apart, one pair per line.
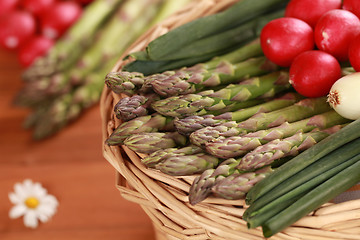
71, 166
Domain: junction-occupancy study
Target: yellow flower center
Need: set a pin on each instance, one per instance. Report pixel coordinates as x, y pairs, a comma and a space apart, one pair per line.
32, 202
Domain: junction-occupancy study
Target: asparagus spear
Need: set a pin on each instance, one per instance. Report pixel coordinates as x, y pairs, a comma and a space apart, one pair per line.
193, 123
280, 148
236, 185
67, 49
182, 165
132, 82
151, 142
83, 96
125, 82
130, 21
186, 164
149, 123
184, 83
200, 189
114, 37
67, 107
135, 106
203, 185
224, 99
160, 155
240, 145
300, 110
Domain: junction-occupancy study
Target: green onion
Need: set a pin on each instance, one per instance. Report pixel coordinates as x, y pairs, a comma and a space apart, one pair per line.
326, 163
313, 199
241, 12
258, 217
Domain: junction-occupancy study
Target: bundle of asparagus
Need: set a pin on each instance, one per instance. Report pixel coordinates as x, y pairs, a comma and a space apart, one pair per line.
69, 78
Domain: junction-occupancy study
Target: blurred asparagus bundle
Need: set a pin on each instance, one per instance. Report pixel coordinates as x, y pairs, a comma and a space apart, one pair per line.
59, 86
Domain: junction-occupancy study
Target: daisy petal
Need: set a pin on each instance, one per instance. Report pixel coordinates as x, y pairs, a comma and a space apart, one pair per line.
43, 217
47, 210
20, 191
30, 219
39, 191
15, 198
17, 211
50, 200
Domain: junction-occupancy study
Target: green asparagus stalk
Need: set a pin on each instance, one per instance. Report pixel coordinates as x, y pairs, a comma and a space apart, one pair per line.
131, 20
184, 83
201, 187
280, 148
196, 104
46, 92
135, 106
232, 166
183, 165
67, 49
240, 145
236, 185
149, 123
160, 155
283, 101
298, 111
125, 82
52, 120
115, 36
335, 147
193, 123
153, 141
204, 184
133, 82
224, 99
67, 108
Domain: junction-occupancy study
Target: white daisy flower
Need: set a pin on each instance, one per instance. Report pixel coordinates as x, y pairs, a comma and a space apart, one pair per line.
33, 202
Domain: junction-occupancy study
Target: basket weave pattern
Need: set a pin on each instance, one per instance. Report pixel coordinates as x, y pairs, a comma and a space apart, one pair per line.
164, 198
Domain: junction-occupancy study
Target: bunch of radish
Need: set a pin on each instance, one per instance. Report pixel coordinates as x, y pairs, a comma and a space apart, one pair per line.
314, 40
30, 27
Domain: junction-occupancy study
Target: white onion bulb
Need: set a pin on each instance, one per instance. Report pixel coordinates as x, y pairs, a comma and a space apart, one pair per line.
344, 96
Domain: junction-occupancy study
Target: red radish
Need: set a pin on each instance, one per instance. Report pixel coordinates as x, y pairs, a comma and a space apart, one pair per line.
37, 7
334, 32
310, 10
352, 6
354, 53
284, 38
16, 28
85, 2
7, 6
33, 49
314, 72
59, 18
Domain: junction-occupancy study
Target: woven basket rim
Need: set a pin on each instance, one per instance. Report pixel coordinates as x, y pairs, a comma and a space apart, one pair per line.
164, 198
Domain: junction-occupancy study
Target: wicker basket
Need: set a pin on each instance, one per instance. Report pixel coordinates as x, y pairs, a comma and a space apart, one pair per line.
165, 198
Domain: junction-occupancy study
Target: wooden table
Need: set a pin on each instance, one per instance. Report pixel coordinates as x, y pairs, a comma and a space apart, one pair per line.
71, 167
